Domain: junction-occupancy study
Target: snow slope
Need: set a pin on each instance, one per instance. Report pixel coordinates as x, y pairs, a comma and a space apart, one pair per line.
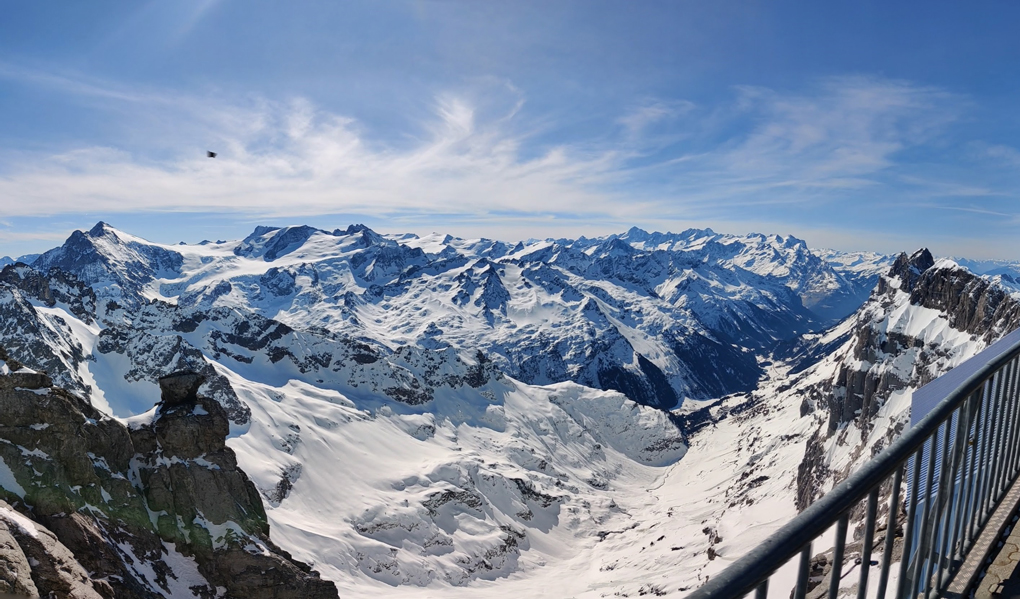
423, 415
659, 317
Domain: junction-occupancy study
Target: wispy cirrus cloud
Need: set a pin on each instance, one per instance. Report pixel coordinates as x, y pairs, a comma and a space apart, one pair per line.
649, 113
465, 162
13, 234
291, 158
844, 134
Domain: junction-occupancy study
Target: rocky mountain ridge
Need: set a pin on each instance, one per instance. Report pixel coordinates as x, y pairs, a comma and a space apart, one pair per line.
660, 317
923, 318
827, 407
93, 508
456, 472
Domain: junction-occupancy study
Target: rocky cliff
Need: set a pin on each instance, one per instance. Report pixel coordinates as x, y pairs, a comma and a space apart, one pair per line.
923, 318
90, 507
968, 303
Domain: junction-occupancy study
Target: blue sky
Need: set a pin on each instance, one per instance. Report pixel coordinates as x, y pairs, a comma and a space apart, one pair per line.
855, 125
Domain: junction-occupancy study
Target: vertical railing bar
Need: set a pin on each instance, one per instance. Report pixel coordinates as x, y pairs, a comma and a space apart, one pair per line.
1007, 424
837, 556
960, 501
762, 592
933, 537
1002, 438
944, 549
1000, 447
1014, 399
986, 465
922, 546
890, 534
996, 447
869, 538
968, 480
1009, 471
946, 506
1014, 425
986, 434
982, 441
1011, 437
803, 572
908, 528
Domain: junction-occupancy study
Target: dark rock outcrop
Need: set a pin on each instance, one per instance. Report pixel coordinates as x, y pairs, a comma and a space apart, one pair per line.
180, 388
881, 359
969, 303
56, 286
15, 571
113, 503
909, 269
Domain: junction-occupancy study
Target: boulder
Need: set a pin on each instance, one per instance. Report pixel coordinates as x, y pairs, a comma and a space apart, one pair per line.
15, 572
54, 571
180, 388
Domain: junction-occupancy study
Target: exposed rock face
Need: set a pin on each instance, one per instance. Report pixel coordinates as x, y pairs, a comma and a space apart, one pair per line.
969, 303
161, 509
55, 287
885, 355
15, 571
909, 269
972, 304
43, 566
180, 388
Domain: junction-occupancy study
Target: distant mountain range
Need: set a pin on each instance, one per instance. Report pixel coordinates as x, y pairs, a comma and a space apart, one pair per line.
659, 317
435, 412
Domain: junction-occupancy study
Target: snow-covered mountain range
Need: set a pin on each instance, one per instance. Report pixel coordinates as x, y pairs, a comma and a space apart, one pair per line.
659, 317
582, 417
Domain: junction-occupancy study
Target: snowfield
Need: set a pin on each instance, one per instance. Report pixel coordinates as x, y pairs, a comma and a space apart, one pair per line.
432, 416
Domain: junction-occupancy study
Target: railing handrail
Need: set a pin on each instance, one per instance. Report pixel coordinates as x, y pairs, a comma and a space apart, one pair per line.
756, 566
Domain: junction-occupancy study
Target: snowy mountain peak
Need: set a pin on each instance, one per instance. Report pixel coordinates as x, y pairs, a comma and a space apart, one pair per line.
668, 309
635, 233
791, 242
425, 415
100, 229
118, 265
615, 247
270, 243
354, 229
260, 231
910, 268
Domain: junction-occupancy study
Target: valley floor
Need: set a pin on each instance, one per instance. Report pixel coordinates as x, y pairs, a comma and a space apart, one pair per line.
653, 530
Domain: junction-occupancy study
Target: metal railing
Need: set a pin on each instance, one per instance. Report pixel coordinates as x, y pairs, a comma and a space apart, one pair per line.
958, 462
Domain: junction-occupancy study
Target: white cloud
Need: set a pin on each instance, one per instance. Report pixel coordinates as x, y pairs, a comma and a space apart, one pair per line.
470, 164
9, 235
292, 159
844, 134
641, 118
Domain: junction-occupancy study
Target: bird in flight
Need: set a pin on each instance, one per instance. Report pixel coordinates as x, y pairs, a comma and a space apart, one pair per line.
210, 154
